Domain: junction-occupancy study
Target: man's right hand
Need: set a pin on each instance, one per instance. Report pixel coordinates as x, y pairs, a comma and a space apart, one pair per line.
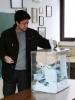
8, 60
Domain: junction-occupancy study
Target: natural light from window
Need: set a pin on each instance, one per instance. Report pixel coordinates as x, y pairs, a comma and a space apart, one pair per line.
69, 24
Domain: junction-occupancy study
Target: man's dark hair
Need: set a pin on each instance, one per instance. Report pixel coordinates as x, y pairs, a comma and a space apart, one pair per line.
21, 15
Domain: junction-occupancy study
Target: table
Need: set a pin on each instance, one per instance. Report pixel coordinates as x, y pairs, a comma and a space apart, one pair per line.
66, 94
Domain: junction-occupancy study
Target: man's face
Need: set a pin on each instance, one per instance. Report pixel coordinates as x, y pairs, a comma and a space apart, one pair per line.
22, 25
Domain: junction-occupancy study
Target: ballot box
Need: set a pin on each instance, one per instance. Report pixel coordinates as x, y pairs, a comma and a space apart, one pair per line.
50, 70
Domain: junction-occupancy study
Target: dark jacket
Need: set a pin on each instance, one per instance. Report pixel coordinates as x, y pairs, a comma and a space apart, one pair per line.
9, 46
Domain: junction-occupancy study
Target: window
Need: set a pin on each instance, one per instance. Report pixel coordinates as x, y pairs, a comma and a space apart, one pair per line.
67, 20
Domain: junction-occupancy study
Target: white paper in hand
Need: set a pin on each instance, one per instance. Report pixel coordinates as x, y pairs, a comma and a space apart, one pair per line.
51, 44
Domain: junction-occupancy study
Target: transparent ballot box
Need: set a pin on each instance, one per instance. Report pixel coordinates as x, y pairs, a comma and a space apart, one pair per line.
49, 70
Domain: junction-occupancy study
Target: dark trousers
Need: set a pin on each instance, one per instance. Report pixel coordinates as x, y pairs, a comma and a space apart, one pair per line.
20, 79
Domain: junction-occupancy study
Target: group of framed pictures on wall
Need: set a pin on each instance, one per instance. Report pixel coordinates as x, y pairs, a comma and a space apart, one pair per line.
18, 4
34, 13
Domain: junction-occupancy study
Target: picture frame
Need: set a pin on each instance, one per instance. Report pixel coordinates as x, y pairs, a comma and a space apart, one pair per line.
41, 20
25, 9
36, 0
16, 4
73, 99
34, 15
42, 31
48, 11
40, 10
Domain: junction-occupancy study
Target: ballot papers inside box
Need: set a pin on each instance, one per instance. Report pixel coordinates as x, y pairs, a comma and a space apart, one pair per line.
49, 70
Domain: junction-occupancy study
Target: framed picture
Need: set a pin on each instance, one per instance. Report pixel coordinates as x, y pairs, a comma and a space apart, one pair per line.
41, 20
48, 11
16, 3
73, 99
25, 9
40, 10
34, 15
36, 0
42, 31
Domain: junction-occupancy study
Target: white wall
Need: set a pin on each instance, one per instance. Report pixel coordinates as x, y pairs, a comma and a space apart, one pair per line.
52, 23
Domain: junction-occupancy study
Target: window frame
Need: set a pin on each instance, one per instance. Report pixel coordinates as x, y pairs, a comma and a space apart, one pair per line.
62, 8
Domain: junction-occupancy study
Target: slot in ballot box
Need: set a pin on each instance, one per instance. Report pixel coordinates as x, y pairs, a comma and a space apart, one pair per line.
50, 70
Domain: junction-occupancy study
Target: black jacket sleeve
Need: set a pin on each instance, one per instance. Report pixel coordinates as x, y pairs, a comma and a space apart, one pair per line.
43, 42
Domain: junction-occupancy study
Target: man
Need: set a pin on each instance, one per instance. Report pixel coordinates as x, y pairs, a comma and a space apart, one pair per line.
16, 45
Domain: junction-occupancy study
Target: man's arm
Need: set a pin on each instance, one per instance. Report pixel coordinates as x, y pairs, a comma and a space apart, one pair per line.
45, 43
3, 55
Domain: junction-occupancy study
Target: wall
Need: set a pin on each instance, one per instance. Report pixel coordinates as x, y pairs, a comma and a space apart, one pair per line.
52, 23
